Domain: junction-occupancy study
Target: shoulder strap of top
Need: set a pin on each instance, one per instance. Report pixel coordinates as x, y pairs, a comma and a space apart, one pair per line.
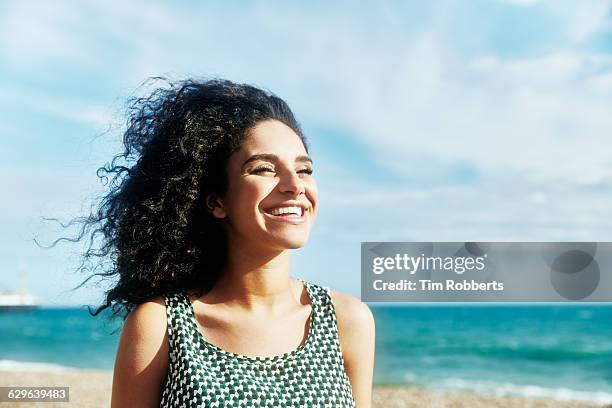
322, 303
327, 333
322, 297
331, 308
176, 313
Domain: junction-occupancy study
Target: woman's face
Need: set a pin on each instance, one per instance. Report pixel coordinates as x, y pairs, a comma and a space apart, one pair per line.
271, 199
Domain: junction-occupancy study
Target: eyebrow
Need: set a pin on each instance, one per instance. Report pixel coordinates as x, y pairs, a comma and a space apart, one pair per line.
273, 157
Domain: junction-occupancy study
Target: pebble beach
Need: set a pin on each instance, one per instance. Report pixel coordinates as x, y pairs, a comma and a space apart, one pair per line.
92, 389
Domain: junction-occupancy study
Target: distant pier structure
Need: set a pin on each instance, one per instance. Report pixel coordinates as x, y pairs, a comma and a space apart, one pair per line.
18, 299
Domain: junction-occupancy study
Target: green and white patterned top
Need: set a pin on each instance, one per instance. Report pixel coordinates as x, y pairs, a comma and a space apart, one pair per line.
201, 374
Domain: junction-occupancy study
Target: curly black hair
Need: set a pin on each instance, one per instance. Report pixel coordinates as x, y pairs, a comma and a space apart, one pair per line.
155, 222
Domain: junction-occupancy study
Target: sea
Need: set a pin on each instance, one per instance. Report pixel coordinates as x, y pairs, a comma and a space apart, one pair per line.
556, 351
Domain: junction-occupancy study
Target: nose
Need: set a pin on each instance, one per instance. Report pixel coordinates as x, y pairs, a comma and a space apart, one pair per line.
290, 182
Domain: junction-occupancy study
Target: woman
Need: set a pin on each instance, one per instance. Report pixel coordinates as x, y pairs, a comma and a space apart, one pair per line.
219, 190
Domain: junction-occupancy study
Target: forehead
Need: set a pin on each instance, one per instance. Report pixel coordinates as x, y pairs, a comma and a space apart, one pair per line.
272, 136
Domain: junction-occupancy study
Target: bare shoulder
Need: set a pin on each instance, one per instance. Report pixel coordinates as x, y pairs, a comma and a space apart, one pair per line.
145, 332
148, 317
141, 362
352, 313
355, 322
146, 324
356, 332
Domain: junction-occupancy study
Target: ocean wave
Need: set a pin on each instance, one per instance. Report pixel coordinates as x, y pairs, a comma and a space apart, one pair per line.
12, 365
528, 352
519, 390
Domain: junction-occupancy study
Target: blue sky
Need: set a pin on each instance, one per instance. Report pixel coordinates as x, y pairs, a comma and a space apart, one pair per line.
429, 121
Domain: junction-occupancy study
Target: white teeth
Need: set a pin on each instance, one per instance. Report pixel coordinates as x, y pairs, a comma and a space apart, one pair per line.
286, 210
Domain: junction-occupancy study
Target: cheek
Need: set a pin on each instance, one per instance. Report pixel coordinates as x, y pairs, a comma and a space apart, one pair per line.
312, 193
312, 185
246, 198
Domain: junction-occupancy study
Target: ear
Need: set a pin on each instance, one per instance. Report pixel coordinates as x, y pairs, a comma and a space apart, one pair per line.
215, 206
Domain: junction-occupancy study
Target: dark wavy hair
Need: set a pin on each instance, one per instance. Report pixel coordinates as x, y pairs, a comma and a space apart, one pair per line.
156, 227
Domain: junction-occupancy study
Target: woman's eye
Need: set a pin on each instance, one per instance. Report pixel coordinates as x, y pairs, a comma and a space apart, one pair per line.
261, 169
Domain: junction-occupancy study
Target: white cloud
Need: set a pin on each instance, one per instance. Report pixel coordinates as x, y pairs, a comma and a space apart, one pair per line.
585, 19
580, 18
73, 110
496, 211
601, 84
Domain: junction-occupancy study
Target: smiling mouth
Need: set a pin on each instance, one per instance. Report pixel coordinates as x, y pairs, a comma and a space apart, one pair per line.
293, 215
281, 211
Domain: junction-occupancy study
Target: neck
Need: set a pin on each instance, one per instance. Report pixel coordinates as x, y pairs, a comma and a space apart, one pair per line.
254, 280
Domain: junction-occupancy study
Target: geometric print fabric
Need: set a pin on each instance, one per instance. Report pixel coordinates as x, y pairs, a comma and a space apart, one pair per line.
201, 374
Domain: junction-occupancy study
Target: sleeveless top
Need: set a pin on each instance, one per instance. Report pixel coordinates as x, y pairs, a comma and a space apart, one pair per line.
201, 374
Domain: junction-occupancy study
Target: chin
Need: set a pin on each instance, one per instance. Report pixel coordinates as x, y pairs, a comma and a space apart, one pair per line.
290, 242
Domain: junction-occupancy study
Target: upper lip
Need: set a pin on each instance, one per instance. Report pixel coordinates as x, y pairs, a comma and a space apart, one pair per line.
303, 206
